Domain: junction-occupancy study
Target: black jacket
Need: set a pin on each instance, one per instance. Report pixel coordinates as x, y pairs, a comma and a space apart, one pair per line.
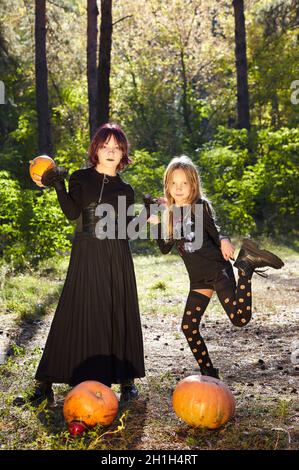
203, 264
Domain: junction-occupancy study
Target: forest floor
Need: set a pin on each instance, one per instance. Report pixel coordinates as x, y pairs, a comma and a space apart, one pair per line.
254, 362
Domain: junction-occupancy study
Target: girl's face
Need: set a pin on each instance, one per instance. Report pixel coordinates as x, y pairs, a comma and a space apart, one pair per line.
180, 187
110, 154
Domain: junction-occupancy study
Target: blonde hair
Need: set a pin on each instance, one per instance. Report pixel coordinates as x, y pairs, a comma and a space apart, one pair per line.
180, 163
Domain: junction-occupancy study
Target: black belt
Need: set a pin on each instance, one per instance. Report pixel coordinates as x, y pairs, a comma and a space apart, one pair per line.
89, 219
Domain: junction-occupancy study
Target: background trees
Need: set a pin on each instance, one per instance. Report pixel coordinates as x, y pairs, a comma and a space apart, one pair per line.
173, 87
41, 79
241, 66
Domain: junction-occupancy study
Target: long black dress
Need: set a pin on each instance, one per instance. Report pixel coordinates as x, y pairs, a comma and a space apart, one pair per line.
96, 330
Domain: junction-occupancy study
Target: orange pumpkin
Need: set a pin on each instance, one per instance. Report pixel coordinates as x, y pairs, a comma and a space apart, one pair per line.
203, 401
92, 403
38, 166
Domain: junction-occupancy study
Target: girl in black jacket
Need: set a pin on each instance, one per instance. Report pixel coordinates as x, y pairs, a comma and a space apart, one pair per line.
190, 226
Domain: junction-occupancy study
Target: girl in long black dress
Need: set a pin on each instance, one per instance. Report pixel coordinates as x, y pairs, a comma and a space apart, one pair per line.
208, 265
96, 330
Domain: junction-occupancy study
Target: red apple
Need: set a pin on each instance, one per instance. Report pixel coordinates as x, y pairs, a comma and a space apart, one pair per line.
77, 427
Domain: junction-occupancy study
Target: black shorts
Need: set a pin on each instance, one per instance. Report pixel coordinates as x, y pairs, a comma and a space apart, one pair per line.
224, 278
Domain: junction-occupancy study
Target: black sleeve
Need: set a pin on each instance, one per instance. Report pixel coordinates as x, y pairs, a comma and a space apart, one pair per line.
130, 201
142, 217
165, 247
210, 226
71, 202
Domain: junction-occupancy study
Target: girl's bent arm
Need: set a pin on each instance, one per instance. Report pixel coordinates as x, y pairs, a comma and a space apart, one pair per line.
70, 202
142, 217
165, 247
210, 226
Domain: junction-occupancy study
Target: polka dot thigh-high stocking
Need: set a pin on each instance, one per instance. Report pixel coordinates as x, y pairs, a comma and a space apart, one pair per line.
195, 307
236, 301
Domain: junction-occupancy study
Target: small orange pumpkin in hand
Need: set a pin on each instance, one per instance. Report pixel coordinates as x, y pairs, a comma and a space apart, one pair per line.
90, 403
38, 166
203, 401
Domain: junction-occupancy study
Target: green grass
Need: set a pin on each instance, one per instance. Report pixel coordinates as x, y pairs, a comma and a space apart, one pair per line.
258, 424
283, 246
162, 283
261, 422
30, 295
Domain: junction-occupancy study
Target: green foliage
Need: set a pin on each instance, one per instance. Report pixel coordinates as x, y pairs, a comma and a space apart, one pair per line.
17, 350
173, 89
10, 209
273, 58
237, 139
222, 170
145, 174
32, 224
198, 116
159, 285
259, 197
275, 178
70, 123
48, 229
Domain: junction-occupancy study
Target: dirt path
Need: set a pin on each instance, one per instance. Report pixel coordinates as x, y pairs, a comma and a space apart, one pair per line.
254, 361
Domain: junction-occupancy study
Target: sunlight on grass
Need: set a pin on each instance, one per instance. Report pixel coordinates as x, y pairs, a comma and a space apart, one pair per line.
261, 421
29, 296
162, 283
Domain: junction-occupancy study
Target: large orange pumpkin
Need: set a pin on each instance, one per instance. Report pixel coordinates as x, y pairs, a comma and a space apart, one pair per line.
92, 403
38, 166
203, 401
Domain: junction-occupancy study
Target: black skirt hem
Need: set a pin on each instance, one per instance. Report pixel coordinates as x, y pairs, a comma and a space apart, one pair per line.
55, 380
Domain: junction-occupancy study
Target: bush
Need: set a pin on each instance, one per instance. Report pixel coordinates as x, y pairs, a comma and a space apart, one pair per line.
222, 170
48, 230
275, 178
145, 174
259, 197
10, 209
33, 226
253, 193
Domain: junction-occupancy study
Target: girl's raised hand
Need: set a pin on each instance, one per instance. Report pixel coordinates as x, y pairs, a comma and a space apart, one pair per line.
227, 249
154, 219
161, 200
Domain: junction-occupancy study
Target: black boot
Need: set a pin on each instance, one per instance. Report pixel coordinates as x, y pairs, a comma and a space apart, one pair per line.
43, 391
210, 371
251, 257
128, 390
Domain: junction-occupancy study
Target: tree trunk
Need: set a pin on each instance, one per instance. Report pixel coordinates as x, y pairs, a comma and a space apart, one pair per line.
92, 38
186, 107
275, 111
241, 66
104, 62
41, 80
